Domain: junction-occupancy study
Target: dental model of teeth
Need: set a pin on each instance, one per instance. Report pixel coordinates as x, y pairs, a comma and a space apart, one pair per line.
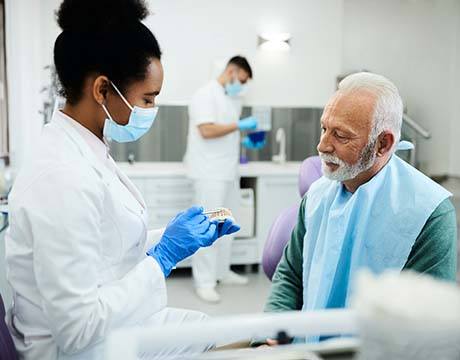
219, 214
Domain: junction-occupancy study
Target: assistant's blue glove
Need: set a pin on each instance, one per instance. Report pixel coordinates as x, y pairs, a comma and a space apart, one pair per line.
249, 144
248, 123
184, 235
227, 227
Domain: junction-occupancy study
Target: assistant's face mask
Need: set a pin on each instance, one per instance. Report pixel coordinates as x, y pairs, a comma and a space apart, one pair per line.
233, 88
140, 121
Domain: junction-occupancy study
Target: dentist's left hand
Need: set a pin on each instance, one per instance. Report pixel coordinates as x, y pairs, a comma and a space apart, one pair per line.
249, 144
184, 235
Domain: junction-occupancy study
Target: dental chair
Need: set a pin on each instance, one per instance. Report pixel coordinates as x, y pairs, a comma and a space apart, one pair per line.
282, 227
7, 349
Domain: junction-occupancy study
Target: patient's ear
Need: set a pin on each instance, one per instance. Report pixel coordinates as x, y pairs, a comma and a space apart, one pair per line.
385, 143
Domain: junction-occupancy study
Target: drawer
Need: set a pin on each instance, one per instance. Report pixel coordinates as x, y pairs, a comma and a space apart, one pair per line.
243, 253
163, 186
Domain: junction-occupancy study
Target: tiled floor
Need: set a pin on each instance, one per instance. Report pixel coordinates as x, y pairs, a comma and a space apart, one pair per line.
251, 298
235, 299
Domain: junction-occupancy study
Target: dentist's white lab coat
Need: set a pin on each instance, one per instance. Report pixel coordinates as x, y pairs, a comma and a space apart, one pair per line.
76, 252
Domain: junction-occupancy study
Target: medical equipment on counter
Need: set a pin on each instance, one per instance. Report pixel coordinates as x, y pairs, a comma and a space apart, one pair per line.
125, 343
264, 117
245, 213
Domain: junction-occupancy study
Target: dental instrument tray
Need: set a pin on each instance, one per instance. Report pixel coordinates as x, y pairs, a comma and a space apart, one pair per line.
219, 214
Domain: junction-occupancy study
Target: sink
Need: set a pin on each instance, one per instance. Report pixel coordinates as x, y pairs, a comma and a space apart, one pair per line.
281, 139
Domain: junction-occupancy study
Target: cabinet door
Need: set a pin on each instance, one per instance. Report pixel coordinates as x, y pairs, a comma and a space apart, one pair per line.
274, 194
164, 196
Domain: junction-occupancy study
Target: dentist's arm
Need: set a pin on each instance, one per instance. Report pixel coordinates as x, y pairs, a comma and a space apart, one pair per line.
212, 130
65, 214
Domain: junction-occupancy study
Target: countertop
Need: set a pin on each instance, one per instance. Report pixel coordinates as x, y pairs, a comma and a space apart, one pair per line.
173, 169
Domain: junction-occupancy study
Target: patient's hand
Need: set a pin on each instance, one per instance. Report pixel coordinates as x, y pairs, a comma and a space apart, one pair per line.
271, 342
268, 343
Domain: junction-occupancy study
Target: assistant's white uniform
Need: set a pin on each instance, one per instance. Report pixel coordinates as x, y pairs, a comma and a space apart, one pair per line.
213, 165
75, 251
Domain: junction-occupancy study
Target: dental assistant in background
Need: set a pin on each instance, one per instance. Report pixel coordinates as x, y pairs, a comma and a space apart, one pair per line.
212, 159
80, 259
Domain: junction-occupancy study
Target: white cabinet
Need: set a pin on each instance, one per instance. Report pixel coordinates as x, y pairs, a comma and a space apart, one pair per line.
245, 251
165, 197
167, 191
274, 194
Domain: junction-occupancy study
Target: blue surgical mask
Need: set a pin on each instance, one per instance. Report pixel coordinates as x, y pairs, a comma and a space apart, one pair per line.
140, 122
233, 88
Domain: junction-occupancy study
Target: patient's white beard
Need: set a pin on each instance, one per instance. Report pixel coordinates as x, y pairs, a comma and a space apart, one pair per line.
346, 171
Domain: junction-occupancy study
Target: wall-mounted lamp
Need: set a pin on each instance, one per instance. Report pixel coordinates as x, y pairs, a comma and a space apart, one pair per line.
274, 41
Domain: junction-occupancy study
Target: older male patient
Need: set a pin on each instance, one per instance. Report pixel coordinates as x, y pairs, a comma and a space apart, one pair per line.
369, 210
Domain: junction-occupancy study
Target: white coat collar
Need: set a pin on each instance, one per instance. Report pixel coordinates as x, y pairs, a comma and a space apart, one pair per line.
99, 147
88, 152
59, 120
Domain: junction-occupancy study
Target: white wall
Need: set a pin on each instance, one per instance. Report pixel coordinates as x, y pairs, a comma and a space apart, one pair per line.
455, 133
413, 43
23, 55
193, 34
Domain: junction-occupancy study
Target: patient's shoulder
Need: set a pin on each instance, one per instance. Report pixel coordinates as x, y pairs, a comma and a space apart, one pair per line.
444, 208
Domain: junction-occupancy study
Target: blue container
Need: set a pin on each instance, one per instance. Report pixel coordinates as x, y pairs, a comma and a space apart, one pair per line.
257, 136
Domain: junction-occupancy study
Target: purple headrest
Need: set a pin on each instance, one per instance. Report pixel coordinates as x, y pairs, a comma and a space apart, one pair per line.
310, 171
278, 237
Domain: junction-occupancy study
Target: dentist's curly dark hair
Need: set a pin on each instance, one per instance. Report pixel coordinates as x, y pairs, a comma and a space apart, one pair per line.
103, 37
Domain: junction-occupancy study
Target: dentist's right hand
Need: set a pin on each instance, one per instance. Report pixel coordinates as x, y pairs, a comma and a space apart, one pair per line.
184, 235
248, 123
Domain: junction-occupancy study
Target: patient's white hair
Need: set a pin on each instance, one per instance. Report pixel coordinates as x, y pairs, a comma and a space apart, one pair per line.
388, 110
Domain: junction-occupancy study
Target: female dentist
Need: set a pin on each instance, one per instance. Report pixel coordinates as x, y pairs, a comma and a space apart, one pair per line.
79, 258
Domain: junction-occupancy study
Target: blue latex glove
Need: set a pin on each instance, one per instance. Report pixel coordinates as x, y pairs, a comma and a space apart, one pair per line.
184, 235
248, 123
249, 144
227, 227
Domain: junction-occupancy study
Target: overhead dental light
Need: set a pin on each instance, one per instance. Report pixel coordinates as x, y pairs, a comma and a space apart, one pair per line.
274, 41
